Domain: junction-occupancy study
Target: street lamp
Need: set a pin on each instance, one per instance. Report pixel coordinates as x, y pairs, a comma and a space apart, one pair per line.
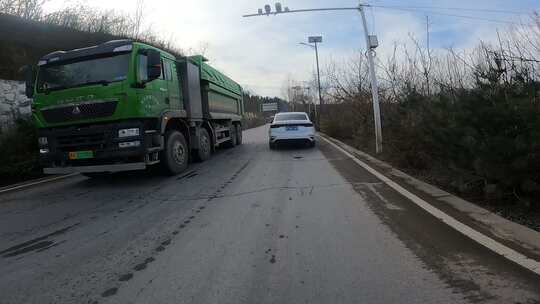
371, 44
313, 40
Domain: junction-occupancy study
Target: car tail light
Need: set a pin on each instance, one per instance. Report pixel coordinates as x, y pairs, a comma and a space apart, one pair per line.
291, 125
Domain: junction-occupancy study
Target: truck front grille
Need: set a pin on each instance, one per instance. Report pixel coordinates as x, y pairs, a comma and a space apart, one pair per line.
81, 142
79, 112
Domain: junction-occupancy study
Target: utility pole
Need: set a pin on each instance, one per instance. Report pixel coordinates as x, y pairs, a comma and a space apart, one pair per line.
321, 103
371, 43
427, 64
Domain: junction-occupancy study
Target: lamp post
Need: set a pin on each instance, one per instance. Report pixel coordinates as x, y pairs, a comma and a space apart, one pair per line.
371, 44
313, 40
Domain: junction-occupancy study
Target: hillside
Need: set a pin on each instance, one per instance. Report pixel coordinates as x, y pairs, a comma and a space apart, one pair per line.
24, 42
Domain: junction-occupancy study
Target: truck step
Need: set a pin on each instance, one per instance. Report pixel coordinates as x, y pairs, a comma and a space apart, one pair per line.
223, 129
222, 140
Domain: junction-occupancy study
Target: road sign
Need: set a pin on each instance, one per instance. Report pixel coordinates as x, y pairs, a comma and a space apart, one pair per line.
315, 39
269, 107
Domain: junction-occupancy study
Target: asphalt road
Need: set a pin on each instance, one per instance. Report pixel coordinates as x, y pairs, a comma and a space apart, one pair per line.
250, 225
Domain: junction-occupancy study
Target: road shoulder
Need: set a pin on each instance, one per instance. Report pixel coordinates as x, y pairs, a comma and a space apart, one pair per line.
519, 238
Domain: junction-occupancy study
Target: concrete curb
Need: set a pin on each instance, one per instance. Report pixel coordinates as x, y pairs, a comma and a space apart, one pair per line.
518, 243
34, 182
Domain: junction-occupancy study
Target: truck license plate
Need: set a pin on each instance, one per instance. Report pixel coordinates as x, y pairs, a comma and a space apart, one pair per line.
81, 155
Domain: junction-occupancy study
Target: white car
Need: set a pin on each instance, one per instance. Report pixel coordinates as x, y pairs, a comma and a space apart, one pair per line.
291, 127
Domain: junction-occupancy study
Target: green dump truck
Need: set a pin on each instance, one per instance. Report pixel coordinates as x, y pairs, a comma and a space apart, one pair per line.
124, 105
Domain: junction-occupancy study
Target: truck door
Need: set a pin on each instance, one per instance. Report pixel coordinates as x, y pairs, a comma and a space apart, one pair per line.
152, 93
173, 85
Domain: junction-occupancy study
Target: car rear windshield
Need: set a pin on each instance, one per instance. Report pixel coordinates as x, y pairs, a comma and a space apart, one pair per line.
291, 116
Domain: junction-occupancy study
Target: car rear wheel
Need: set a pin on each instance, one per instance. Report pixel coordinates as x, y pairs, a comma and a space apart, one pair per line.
272, 145
175, 157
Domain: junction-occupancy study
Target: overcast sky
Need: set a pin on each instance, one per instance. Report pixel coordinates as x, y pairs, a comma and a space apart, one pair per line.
262, 52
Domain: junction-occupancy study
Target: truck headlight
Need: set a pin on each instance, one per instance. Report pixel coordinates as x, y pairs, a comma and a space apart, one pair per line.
128, 132
43, 141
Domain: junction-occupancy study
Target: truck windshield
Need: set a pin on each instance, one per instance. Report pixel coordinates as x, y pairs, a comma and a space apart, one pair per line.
102, 70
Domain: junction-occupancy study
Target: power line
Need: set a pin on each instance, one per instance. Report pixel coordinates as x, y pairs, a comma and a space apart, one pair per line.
450, 15
483, 10
522, 59
513, 58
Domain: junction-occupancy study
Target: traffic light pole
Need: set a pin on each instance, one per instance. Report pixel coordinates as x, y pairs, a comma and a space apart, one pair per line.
374, 86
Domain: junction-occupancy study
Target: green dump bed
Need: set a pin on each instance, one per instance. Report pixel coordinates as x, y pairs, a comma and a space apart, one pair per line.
223, 94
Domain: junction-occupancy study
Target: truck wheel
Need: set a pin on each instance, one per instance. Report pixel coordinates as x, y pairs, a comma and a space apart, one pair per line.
205, 146
175, 157
238, 134
233, 133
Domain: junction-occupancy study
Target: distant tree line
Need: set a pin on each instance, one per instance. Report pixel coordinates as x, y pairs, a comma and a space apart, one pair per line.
92, 20
253, 103
27, 9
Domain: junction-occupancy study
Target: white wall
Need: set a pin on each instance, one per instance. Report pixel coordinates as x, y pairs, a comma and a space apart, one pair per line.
13, 102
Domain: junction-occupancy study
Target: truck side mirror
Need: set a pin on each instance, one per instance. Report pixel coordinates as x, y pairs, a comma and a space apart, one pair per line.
29, 80
153, 64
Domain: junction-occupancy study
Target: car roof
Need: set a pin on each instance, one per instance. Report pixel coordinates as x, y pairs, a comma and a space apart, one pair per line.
279, 116
280, 113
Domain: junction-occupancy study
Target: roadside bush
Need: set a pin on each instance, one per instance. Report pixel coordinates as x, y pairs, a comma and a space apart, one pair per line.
488, 133
338, 120
496, 134
19, 153
252, 120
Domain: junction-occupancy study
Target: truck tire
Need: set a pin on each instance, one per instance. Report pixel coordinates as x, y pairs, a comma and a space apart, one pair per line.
238, 134
205, 146
175, 157
233, 134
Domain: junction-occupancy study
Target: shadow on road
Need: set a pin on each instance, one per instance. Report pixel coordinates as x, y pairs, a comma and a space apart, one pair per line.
141, 178
293, 146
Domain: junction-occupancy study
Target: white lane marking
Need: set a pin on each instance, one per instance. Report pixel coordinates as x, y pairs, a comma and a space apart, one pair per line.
36, 183
387, 203
478, 237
